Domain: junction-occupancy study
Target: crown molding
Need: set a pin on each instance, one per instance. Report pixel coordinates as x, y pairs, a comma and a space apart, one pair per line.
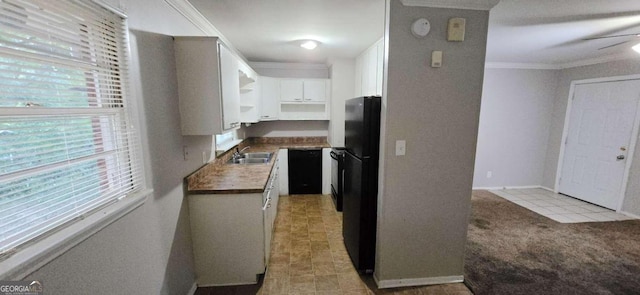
186, 9
455, 4
192, 14
598, 60
288, 66
522, 66
560, 66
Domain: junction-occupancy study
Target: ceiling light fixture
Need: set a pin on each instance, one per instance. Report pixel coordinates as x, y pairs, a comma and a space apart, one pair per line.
636, 48
309, 44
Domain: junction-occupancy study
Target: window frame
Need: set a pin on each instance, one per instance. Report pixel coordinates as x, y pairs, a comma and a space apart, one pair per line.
31, 256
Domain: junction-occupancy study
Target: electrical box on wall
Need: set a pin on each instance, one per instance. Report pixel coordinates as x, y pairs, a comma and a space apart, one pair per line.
455, 30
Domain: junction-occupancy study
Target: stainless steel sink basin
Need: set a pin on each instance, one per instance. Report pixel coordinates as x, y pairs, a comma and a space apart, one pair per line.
245, 161
257, 155
252, 158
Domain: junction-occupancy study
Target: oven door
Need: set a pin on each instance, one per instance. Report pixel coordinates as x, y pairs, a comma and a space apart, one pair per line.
335, 171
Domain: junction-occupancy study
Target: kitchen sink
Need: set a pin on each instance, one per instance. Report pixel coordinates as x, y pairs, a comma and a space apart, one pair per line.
251, 158
257, 155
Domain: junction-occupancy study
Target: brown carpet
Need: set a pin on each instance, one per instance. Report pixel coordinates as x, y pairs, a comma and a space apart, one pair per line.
512, 250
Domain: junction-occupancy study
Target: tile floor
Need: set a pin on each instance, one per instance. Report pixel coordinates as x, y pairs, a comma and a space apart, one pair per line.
308, 256
559, 207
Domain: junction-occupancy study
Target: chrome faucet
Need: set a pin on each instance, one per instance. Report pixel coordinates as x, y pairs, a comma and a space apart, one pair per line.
238, 153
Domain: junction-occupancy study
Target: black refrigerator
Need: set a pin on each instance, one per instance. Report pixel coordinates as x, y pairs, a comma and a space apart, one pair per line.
360, 187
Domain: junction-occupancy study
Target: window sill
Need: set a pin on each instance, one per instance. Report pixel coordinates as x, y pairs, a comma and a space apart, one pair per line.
37, 254
220, 149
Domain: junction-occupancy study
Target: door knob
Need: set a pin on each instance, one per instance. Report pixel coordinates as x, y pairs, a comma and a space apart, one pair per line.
620, 157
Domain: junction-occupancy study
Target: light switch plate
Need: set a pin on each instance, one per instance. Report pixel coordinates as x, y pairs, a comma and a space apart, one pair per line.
436, 59
401, 147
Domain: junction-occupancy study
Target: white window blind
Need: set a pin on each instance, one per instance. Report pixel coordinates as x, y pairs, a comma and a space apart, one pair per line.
226, 138
67, 146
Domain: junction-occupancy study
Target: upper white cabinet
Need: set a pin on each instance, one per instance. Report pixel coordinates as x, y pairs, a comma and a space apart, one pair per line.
270, 98
230, 83
369, 70
379, 66
249, 93
304, 99
301, 90
291, 90
208, 86
315, 90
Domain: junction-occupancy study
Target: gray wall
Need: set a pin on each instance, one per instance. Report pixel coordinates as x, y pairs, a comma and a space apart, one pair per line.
424, 201
616, 68
515, 118
147, 251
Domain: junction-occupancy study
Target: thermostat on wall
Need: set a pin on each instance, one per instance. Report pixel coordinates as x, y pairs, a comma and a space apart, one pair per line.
455, 30
420, 27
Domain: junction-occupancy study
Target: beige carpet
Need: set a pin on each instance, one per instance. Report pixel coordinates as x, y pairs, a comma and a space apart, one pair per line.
512, 250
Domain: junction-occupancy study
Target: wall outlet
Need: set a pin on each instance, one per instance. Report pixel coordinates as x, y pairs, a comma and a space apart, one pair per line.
489, 174
401, 147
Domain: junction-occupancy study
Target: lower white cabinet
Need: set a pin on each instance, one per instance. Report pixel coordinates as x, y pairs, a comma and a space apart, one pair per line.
231, 234
283, 161
326, 171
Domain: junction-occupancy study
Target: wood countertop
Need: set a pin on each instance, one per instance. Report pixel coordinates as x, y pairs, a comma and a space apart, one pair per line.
218, 177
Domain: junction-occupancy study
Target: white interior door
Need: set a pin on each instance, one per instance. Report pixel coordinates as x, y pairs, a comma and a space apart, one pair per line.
596, 150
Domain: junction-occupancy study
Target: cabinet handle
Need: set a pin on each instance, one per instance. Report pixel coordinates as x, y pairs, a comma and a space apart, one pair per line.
297, 99
267, 205
265, 116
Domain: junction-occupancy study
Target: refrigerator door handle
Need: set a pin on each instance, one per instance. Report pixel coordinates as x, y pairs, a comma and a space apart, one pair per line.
334, 155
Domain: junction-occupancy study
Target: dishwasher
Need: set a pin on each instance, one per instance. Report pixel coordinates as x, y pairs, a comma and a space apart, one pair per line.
305, 171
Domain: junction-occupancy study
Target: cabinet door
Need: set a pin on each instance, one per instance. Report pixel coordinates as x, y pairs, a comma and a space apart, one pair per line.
269, 103
380, 65
315, 90
268, 228
372, 70
357, 91
283, 163
364, 69
229, 82
291, 90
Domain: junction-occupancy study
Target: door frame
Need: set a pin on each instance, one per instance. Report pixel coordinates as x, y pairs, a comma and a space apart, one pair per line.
632, 144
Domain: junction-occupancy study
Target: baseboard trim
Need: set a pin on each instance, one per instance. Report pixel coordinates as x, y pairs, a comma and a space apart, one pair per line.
228, 284
506, 187
630, 214
547, 188
193, 289
383, 284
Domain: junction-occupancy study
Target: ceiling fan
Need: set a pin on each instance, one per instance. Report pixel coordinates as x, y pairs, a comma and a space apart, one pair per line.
634, 36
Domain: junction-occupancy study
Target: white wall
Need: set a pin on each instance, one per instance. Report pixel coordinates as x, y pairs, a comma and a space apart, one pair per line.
290, 70
147, 251
609, 69
515, 118
342, 72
